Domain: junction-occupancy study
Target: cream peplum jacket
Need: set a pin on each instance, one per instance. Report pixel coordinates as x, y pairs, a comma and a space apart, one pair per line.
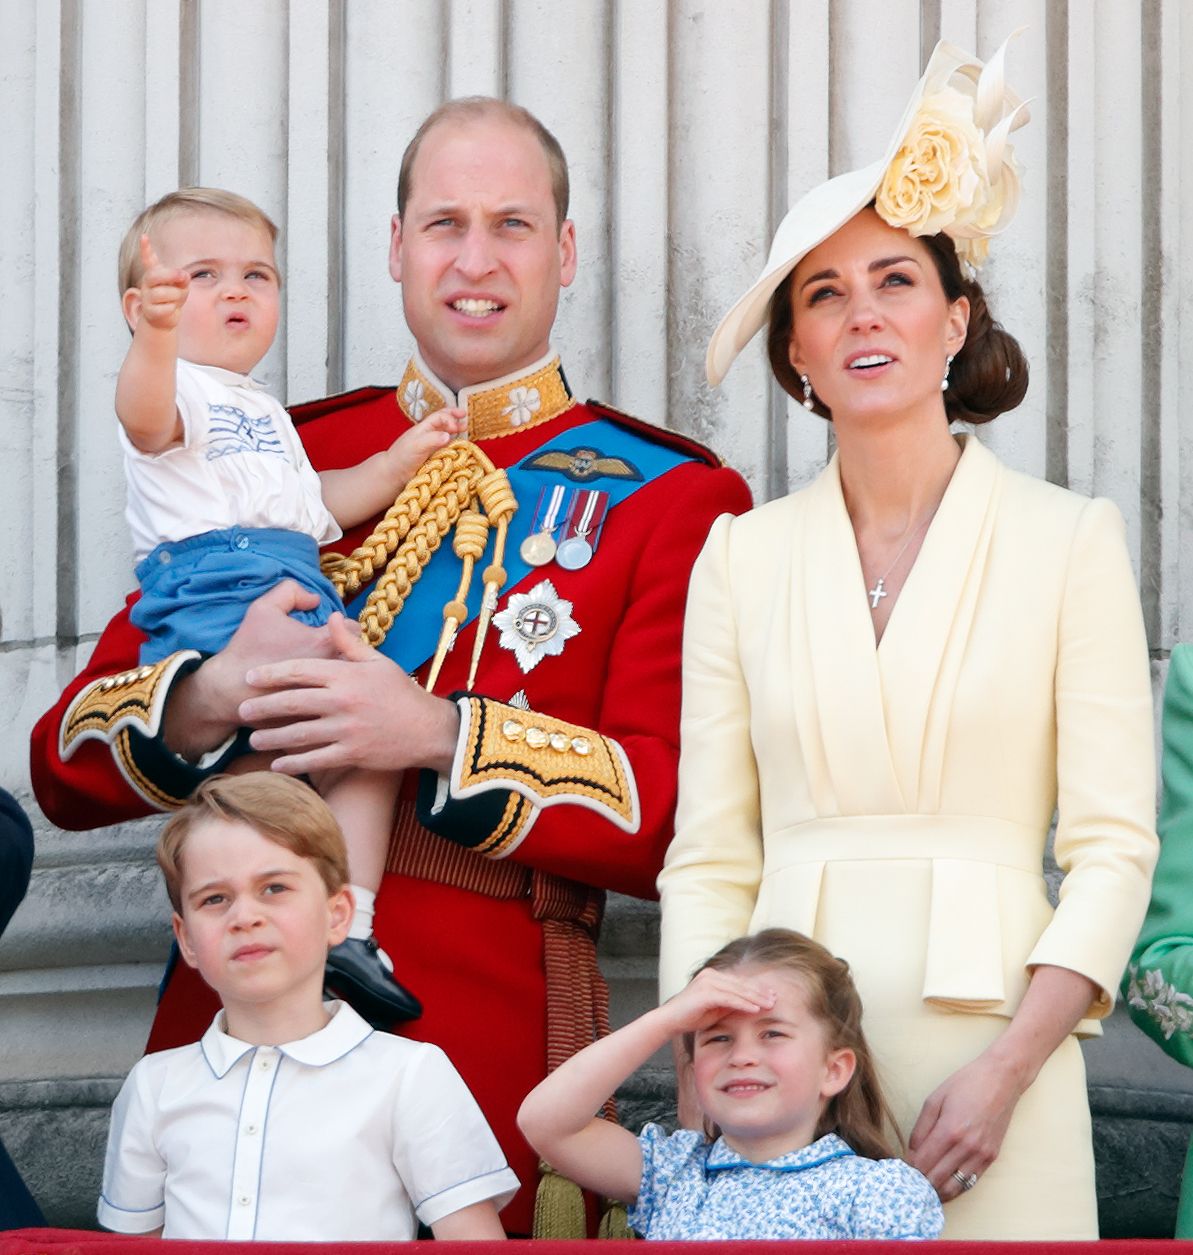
1011, 683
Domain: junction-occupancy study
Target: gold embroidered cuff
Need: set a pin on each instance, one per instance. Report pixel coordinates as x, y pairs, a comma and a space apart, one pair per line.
125, 712
516, 821
542, 762
132, 699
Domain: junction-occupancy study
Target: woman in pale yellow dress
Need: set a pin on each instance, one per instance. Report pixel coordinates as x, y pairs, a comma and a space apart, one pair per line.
895, 677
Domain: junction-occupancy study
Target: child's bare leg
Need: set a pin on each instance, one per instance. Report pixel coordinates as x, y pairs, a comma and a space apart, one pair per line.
358, 969
256, 761
363, 804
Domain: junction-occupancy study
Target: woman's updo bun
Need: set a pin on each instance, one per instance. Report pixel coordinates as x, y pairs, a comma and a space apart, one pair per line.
987, 378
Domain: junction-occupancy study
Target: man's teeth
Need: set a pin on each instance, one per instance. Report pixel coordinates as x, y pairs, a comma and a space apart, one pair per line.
476, 308
875, 359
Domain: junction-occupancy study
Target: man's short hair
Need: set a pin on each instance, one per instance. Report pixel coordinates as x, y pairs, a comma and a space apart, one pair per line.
276, 807
474, 108
186, 200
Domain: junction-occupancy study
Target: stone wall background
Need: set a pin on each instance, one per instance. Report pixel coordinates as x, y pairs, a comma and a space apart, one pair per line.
690, 126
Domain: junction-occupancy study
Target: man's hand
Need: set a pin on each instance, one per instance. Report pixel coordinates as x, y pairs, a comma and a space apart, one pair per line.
358, 709
163, 291
204, 706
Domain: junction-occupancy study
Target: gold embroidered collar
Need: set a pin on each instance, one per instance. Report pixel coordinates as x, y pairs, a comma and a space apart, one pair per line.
498, 408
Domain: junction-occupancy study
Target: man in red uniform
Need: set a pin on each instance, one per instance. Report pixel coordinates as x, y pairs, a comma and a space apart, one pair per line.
551, 777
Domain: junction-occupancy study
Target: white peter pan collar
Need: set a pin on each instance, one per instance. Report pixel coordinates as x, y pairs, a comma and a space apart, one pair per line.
338, 1037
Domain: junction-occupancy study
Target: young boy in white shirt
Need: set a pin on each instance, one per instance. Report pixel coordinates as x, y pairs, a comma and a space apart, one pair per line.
291, 1120
223, 503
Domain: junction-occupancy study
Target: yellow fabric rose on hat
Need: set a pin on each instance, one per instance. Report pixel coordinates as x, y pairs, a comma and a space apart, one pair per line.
939, 173
952, 174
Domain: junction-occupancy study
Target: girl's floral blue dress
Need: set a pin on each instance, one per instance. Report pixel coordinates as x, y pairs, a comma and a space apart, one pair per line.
693, 1188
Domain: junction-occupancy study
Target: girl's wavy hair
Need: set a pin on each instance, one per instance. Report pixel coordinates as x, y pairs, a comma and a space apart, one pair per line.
988, 376
859, 1114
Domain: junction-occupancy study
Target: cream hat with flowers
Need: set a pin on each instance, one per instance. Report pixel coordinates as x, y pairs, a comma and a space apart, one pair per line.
949, 167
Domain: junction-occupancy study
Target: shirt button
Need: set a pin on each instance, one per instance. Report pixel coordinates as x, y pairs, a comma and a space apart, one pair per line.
243, 1200
242, 542
250, 1130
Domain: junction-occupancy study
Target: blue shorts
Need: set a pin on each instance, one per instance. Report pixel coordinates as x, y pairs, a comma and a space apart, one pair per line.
195, 592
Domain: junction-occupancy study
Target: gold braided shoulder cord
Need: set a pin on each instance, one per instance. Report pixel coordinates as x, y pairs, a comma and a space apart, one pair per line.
457, 487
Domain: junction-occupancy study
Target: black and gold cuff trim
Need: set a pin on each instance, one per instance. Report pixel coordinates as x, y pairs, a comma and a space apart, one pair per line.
125, 712
130, 700
492, 823
510, 764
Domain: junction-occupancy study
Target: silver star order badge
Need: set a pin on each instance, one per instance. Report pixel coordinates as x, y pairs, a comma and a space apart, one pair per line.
536, 625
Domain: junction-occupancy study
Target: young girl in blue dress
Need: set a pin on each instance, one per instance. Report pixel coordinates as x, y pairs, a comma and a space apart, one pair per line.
795, 1141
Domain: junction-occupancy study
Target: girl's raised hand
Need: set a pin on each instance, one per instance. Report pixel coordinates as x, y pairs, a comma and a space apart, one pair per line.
163, 291
712, 994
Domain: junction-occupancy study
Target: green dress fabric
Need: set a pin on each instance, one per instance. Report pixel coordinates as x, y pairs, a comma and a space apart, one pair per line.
1158, 986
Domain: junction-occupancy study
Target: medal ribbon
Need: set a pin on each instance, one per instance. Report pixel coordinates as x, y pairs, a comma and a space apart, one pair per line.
551, 515
584, 525
413, 642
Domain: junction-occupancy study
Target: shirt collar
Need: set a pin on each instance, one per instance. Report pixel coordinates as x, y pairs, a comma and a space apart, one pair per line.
340, 1035
499, 407
830, 1146
232, 378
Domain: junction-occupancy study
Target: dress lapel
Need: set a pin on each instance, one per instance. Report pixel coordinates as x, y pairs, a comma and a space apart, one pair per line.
838, 694
923, 646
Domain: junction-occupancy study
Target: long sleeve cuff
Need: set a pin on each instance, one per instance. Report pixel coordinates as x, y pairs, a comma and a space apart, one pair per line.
510, 764
126, 712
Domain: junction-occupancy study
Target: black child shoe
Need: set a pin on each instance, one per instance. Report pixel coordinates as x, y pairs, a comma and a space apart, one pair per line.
360, 972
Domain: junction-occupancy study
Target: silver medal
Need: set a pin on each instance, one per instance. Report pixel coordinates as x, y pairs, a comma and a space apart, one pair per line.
574, 553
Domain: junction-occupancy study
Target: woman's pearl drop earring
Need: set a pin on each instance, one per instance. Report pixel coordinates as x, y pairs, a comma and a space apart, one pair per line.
807, 402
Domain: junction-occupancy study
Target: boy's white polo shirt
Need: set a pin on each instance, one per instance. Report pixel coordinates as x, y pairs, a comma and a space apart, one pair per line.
344, 1135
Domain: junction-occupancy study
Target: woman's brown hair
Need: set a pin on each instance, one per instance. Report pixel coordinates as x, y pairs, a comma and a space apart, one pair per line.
859, 1113
988, 376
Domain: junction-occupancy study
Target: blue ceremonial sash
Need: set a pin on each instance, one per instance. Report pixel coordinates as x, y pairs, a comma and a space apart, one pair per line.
415, 633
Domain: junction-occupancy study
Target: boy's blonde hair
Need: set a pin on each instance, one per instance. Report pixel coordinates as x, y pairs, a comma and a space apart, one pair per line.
276, 807
186, 200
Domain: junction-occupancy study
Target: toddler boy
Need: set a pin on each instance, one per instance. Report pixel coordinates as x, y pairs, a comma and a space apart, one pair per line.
290, 1120
223, 503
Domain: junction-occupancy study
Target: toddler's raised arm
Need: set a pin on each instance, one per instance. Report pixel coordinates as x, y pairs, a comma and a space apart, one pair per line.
146, 386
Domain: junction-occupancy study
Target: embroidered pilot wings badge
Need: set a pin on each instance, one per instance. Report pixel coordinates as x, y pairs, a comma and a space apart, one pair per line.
582, 465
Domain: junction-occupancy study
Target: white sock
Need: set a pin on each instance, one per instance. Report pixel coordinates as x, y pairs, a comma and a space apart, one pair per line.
361, 927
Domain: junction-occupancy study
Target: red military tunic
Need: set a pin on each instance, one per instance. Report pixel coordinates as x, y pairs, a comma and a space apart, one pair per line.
478, 938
